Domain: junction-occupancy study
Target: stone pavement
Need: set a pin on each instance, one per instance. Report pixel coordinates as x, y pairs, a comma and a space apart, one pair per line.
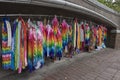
98, 65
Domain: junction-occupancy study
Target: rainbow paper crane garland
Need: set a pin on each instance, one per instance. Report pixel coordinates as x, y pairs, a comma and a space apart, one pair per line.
87, 34
55, 25
20, 50
64, 33
43, 30
49, 32
55, 29
25, 45
52, 43
7, 54
40, 54
30, 50
59, 44
35, 47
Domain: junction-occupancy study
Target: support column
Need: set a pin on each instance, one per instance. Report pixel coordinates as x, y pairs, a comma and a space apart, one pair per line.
115, 35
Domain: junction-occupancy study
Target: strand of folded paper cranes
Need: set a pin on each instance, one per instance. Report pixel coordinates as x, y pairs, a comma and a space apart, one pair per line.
26, 44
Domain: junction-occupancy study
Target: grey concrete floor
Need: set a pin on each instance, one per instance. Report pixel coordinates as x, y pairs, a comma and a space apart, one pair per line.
97, 65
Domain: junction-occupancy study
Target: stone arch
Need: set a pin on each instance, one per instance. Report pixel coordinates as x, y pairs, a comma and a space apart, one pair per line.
59, 7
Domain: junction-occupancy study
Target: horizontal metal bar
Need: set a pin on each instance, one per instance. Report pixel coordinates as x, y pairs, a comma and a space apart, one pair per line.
32, 15
23, 15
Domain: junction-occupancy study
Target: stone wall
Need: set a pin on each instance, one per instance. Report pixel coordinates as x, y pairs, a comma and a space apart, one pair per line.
99, 8
90, 4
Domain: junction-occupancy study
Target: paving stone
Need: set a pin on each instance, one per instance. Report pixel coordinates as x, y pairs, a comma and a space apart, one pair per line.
111, 71
100, 65
91, 75
106, 76
117, 76
99, 78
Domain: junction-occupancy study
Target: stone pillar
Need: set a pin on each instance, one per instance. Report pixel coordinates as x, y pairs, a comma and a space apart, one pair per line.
115, 35
110, 43
117, 43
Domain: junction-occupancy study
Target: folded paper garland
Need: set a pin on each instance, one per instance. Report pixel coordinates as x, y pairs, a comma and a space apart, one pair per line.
7, 53
25, 45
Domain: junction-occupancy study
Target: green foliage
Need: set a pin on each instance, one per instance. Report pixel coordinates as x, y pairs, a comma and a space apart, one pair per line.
114, 5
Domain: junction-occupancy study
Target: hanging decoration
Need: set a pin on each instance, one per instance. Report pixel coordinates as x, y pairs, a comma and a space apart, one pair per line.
55, 25
74, 33
87, 34
26, 45
44, 33
7, 54
50, 41
64, 33
59, 44
82, 36
78, 36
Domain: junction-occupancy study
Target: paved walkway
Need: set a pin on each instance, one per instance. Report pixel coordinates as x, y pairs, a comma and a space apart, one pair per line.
100, 65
